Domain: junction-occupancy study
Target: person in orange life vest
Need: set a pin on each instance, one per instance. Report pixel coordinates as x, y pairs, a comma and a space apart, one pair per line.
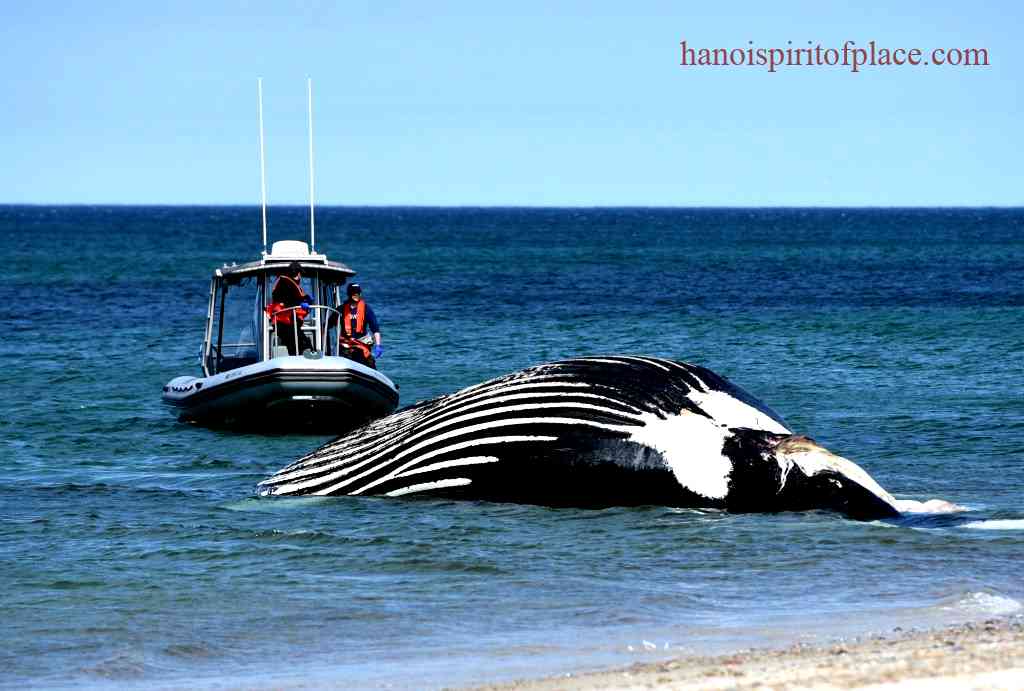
359, 323
288, 292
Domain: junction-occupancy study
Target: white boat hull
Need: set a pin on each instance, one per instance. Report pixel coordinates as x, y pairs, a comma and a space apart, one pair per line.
329, 394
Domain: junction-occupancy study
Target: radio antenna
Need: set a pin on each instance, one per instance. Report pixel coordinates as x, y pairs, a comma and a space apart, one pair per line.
312, 226
263, 167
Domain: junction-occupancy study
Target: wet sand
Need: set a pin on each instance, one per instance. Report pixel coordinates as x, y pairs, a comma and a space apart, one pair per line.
980, 655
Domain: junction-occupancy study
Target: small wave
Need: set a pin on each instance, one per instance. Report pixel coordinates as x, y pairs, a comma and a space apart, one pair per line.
997, 524
120, 486
932, 506
194, 651
986, 604
121, 667
282, 504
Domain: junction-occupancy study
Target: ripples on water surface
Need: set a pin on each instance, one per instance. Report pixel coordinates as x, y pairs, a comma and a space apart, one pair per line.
133, 550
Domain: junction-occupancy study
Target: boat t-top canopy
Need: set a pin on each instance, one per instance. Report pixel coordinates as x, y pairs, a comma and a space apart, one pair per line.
282, 254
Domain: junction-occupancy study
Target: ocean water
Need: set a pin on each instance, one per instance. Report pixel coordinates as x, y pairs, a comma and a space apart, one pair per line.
133, 552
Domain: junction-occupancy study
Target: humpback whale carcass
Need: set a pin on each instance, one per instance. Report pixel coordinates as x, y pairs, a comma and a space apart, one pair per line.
592, 432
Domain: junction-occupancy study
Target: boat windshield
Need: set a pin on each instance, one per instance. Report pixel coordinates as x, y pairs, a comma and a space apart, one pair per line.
236, 325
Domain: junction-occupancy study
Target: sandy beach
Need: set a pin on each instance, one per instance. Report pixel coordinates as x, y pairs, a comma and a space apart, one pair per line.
979, 655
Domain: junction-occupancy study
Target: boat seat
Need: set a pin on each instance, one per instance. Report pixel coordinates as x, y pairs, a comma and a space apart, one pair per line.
279, 351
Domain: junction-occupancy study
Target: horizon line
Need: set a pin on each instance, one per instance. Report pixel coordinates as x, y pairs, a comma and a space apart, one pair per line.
304, 206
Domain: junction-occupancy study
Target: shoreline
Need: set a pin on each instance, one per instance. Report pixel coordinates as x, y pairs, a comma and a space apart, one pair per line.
985, 654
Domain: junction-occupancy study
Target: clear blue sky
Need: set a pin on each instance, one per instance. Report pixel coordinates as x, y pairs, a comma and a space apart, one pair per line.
512, 103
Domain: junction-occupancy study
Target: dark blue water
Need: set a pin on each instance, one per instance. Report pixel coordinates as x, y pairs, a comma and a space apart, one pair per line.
133, 551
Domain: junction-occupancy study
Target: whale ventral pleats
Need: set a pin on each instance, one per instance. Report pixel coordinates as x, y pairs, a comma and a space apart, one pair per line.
589, 432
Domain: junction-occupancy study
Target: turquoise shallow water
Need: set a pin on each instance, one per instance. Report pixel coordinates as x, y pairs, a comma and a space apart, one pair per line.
133, 550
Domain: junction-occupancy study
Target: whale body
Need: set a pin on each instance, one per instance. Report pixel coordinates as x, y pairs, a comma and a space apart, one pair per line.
592, 432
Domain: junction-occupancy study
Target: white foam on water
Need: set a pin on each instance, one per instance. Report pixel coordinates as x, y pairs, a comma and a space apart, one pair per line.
997, 524
985, 604
932, 506
278, 505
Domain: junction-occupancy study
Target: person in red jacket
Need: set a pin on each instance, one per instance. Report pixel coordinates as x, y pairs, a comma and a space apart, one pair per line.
288, 293
359, 326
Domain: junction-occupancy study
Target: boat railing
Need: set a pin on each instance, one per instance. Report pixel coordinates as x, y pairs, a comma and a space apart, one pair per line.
314, 333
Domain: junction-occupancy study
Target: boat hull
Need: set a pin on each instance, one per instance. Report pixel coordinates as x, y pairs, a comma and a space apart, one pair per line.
285, 394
